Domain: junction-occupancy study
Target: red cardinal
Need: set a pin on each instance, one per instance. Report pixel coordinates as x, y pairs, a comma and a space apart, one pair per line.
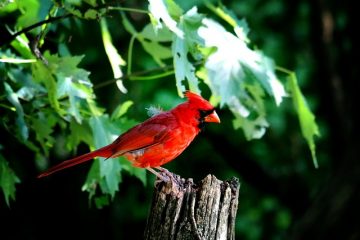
156, 141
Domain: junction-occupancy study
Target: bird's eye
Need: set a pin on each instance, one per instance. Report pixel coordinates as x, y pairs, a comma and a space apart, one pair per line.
204, 113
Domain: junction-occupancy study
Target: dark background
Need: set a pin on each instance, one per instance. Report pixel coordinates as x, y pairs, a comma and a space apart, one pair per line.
282, 195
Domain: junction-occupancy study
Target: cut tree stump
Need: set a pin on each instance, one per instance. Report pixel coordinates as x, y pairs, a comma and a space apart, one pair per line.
182, 210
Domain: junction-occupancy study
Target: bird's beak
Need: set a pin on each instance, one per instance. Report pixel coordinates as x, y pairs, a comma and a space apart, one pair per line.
213, 117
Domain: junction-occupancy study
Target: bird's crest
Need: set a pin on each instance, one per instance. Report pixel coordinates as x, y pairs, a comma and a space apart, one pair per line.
197, 99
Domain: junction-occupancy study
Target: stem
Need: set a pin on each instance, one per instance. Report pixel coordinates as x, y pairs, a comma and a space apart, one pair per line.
220, 13
131, 46
125, 9
138, 76
160, 75
8, 107
284, 70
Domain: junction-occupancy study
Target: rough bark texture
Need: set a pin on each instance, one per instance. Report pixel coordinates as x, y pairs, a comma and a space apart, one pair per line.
183, 210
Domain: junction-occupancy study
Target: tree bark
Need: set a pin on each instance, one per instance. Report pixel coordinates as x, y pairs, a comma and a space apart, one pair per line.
184, 210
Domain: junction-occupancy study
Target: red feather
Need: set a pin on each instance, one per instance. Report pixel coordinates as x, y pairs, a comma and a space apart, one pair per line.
157, 140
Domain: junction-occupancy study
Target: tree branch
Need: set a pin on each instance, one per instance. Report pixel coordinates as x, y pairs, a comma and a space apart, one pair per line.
31, 27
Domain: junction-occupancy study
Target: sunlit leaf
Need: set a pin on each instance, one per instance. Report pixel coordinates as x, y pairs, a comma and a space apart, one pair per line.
308, 125
241, 27
67, 88
233, 61
21, 45
232, 72
121, 109
159, 11
17, 60
184, 69
114, 57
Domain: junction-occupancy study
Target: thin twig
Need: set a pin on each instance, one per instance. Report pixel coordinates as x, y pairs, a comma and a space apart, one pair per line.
140, 75
53, 19
133, 75
38, 24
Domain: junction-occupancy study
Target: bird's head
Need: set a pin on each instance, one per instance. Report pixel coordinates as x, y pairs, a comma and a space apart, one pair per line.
200, 109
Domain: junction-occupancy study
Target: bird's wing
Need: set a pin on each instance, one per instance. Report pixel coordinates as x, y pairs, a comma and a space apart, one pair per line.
154, 131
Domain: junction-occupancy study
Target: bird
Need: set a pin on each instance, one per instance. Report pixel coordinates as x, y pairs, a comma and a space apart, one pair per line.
156, 141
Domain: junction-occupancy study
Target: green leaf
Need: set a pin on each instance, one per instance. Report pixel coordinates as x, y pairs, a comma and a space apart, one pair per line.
102, 201
20, 120
73, 82
92, 180
151, 42
7, 6
43, 128
174, 10
8, 179
108, 175
121, 109
68, 67
79, 133
161, 35
157, 51
94, 109
43, 74
21, 45
29, 13
91, 14
253, 129
114, 57
308, 125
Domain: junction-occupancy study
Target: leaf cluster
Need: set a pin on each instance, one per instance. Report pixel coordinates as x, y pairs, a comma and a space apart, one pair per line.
44, 90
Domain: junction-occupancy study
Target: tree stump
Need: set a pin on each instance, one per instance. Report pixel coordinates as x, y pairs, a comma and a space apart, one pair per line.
182, 210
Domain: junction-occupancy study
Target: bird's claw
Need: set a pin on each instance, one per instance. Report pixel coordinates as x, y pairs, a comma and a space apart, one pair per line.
166, 174
163, 175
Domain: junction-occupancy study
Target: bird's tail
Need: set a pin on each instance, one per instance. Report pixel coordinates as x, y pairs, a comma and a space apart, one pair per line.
105, 152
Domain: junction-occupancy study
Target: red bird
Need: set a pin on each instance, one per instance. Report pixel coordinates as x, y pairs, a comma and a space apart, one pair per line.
156, 141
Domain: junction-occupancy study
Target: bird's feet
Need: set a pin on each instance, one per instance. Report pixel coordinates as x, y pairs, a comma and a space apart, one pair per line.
162, 175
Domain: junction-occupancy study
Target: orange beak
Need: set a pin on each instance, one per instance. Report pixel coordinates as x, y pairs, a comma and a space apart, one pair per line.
213, 117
